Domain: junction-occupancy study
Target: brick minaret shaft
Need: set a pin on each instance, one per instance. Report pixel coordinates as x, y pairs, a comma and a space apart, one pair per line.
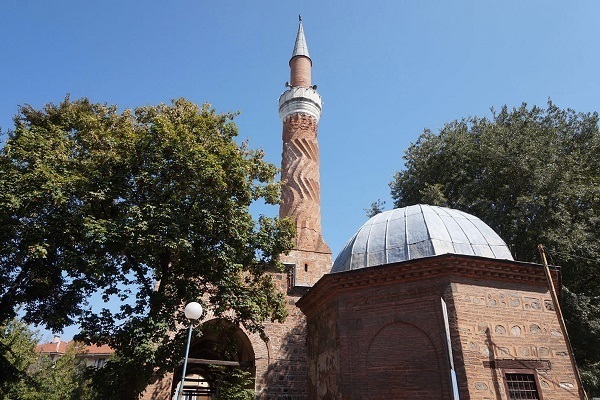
280, 362
300, 109
282, 372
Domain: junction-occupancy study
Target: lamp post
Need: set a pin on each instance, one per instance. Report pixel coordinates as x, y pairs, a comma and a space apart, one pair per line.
193, 311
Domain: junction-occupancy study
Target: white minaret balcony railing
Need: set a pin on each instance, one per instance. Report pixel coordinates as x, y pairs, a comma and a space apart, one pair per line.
297, 100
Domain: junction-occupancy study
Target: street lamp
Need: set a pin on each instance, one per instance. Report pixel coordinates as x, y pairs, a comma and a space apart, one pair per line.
193, 311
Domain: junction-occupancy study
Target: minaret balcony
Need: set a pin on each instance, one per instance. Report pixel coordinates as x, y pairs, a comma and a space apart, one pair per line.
297, 100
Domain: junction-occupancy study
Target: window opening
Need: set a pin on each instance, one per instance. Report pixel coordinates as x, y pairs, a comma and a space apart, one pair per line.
521, 386
305, 267
291, 274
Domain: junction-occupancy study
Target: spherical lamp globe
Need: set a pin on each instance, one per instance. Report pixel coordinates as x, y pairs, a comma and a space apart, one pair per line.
193, 311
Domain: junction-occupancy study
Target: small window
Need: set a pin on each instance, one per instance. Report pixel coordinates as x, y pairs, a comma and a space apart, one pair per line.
521, 386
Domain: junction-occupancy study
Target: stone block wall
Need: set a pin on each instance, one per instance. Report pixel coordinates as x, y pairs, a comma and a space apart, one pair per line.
306, 267
283, 374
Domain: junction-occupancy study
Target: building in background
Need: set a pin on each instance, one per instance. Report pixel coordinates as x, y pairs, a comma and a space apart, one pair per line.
92, 355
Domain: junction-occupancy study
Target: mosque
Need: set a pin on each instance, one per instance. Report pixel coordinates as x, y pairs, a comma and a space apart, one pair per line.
423, 302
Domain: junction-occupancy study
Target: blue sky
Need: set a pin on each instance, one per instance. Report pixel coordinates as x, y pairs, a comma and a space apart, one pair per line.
386, 70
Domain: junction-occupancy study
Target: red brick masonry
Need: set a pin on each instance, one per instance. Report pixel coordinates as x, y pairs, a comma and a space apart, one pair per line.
379, 333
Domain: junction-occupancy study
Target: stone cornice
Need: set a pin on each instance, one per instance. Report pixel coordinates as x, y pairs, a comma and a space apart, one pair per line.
428, 268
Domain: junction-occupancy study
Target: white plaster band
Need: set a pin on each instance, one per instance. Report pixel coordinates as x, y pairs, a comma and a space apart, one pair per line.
300, 100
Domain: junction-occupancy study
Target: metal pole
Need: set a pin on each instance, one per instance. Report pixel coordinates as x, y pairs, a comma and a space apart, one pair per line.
187, 350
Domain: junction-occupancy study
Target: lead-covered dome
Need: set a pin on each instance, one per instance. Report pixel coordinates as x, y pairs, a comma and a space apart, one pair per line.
416, 232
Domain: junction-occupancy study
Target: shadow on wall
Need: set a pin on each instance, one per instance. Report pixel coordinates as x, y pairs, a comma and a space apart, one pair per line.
491, 348
538, 368
286, 375
160, 390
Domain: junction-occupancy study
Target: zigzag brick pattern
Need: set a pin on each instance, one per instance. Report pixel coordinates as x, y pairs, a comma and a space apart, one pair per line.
300, 174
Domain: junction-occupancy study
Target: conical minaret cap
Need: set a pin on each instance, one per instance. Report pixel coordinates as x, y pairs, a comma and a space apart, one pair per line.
300, 47
301, 96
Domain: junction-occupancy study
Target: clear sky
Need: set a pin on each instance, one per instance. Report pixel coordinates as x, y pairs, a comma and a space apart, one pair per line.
385, 69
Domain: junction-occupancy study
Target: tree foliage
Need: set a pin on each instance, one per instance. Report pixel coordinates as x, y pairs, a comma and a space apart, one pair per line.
27, 375
17, 346
375, 208
533, 175
237, 385
147, 207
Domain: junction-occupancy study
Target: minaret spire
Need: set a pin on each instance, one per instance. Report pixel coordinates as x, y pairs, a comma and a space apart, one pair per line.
300, 47
300, 63
300, 111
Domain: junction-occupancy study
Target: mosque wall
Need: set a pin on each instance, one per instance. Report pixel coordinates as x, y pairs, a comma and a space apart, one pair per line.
160, 390
379, 341
281, 373
380, 332
505, 326
323, 351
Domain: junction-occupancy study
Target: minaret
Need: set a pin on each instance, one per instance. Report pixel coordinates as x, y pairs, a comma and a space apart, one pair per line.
300, 110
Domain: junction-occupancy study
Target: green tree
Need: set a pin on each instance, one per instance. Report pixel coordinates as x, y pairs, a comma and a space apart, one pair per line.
17, 347
31, 376
237, 385
149, 207
375, 208
533, 175
60, 379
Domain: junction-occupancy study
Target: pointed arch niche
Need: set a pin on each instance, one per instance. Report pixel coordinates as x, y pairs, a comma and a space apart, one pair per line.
402, 363
222, 349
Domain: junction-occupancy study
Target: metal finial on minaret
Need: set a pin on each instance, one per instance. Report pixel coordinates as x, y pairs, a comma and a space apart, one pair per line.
300, 17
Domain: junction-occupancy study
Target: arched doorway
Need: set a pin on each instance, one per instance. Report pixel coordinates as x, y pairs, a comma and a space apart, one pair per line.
219, 359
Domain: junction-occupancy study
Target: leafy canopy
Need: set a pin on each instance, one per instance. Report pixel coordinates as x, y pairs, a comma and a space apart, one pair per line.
27, 375
147, 207
533, 175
